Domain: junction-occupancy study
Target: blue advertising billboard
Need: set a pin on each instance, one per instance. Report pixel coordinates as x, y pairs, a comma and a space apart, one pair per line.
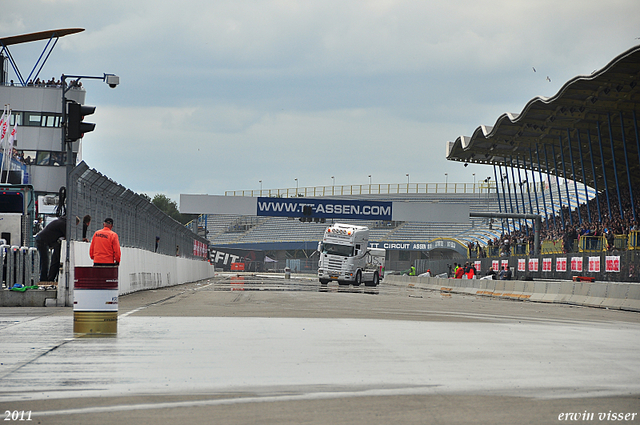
324, 208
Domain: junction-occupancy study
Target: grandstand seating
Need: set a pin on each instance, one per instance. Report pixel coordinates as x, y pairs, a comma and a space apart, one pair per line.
222, 228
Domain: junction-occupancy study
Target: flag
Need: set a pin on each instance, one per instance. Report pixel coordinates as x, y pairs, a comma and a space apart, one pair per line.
4, 124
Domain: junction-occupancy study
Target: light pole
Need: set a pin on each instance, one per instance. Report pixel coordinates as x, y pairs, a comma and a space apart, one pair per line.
369, 184
474, 182
67, 145
333, 187
296, 187
446, 181
260, 181
407, 182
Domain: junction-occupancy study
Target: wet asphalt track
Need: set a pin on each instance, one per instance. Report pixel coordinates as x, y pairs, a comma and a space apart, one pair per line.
262, 349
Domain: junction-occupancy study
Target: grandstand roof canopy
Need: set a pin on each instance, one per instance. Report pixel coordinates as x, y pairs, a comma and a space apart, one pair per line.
36, 36
591, 117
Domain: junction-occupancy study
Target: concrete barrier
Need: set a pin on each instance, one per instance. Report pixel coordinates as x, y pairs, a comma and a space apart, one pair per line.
139, 270
28, 298
616, 295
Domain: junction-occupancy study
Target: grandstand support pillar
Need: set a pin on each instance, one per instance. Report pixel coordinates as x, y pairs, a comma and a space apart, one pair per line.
544, 201
584, 177
524, 209
555, 169
604, 170
536, 217
635, 126
564, 176
495, 174
593, 170
504, 193
515, 192
573, 174
533, 177
626, 162
553, 208
615, 169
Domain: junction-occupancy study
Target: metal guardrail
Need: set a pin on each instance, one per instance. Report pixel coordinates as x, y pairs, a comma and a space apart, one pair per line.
374, 189
138, 223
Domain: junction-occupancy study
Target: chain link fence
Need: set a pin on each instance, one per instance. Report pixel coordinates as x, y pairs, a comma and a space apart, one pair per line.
138, 223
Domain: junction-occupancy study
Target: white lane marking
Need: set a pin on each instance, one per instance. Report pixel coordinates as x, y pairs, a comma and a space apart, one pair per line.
237, 400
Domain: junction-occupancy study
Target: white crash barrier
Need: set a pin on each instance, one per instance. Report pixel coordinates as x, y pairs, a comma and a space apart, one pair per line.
616, 295
139, 270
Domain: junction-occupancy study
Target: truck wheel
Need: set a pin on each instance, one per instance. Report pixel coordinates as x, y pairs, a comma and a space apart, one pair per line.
375, 281
358, 280
324, 281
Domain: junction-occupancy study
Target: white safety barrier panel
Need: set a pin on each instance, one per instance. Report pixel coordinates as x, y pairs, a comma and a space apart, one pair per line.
139, 270
616, 295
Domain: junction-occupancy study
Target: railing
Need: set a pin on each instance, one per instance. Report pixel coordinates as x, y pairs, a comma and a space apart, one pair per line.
138, 223
634, 240
372, 189
552, 247
592, 244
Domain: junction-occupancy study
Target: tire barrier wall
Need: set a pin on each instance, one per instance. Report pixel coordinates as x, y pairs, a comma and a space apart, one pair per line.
614, 295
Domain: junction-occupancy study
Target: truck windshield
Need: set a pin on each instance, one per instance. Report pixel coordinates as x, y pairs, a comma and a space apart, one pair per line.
335, 249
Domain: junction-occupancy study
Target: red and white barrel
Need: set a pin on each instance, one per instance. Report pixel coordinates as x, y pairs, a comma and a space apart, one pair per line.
95, 300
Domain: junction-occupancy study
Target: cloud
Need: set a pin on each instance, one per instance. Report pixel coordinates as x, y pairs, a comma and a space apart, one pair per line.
216, 96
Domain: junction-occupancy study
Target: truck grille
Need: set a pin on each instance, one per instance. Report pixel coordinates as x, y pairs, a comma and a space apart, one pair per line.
334, 264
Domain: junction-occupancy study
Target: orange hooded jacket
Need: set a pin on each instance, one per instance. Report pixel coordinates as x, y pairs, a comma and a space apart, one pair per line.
105, 247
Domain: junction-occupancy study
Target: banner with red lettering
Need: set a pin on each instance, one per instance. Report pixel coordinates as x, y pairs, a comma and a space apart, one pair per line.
496, 265
546, 264
478, 266
533, 264
612, 264
561, 264
576, 264
521, 265
594, 264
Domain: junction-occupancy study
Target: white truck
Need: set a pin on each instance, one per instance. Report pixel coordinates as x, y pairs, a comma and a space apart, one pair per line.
345, 256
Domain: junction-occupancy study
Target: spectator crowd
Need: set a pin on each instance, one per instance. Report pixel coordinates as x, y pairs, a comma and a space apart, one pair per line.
567, 227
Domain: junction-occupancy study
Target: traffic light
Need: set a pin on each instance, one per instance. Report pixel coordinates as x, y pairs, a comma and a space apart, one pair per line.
75, 126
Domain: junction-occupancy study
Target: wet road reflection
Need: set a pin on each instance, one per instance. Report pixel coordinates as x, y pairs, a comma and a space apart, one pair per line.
265, 337
274, 283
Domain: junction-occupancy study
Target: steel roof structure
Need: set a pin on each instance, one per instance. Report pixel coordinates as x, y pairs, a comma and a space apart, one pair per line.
51, 35
587, 132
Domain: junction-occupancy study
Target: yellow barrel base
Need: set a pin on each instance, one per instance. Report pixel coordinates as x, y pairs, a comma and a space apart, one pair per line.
95, 323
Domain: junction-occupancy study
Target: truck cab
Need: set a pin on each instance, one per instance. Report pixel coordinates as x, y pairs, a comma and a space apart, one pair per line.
346, 258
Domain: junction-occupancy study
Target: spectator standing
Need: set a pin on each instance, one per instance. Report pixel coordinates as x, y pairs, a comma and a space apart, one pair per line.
86, 220
47, 238
491, 273
105, 246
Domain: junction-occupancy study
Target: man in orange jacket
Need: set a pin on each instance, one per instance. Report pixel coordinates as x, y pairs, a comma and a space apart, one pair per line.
105, 246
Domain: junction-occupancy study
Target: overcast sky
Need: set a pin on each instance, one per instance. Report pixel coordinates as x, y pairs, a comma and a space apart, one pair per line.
218, 95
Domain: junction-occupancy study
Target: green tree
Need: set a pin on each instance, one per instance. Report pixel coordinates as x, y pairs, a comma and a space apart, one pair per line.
170, 208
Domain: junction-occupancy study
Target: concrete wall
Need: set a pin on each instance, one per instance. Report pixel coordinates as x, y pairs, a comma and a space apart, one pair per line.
616, 295
139, 270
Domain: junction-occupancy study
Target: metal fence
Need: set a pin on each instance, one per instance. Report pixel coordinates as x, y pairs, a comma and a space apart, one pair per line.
138, 223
